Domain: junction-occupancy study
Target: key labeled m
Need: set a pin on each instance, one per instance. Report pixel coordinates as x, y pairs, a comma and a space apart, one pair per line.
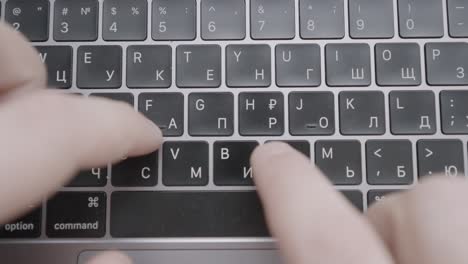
195, 173
327, 154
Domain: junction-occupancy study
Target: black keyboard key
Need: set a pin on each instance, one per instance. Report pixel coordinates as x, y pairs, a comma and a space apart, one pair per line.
446, 63
27, 226
374, 196
355, 198
99, 67
124, 20
149, 66
185, 163
95, 177
187, 214
165, 109
248, 65
321, 19
311, 113
211, 114
454, 112
174, 20
198, 66
76, 20
261, 114
421, 18
389, 162
30, 18
443, 157
298, 65
412, 112
136, 171
340, 161
121, 97
362, 113
371, 18
398, 64
348, 64
231, 163
59, 62
76, 215
457, 18
223, 19
272, 19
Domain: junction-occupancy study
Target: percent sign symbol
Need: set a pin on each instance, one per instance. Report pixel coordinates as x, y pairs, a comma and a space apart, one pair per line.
162, 10
135, 11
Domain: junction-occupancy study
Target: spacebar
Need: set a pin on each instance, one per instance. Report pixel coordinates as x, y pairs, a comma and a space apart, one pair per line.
187, 214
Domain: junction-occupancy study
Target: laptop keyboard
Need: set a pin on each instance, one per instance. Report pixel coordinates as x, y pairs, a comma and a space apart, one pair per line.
372, 91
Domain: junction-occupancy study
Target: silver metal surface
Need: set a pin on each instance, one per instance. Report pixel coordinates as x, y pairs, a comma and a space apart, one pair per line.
44, 250
187, 256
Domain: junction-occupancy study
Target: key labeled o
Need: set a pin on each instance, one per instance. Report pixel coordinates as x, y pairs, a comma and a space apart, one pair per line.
387, 55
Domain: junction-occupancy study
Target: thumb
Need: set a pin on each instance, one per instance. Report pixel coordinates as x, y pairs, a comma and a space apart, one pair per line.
111, 257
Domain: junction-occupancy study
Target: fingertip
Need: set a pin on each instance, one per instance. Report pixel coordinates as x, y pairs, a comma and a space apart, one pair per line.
268, 151
111, 257
20, 64
155, 133
149, 137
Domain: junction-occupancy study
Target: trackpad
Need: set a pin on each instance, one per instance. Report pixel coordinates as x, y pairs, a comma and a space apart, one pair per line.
194, 256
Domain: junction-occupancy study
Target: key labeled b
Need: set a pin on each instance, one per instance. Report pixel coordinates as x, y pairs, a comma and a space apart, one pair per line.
232, 162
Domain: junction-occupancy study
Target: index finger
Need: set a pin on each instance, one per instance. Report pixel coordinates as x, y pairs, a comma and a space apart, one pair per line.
312, 222
46, 137
20, 66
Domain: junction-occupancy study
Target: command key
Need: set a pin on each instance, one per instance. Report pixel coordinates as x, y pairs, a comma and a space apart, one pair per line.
76, 214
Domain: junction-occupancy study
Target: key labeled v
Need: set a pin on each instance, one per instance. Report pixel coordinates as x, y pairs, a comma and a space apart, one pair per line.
175, 154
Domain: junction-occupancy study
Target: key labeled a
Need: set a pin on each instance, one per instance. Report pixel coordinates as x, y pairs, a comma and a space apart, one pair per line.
165, 109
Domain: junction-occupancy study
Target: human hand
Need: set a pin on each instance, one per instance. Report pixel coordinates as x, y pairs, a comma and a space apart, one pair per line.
313, 223
47, 136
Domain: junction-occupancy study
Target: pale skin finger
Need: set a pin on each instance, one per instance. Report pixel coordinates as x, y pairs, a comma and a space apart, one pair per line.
46, 137
111, 257
20, 66
312, 222
426, 225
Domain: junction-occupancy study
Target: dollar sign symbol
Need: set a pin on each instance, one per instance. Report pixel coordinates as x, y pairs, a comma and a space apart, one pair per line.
114, 11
